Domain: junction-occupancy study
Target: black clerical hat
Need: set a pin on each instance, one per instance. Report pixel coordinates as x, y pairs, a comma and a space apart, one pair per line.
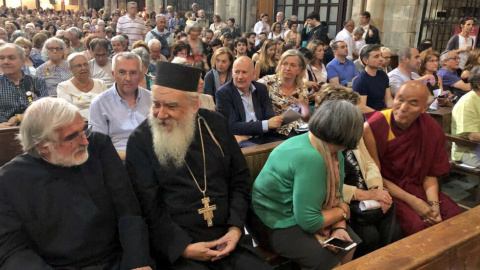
177, 76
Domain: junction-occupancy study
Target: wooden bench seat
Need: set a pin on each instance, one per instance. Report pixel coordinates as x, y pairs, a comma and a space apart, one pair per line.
256, 157
455, 166
452, 244
9, 145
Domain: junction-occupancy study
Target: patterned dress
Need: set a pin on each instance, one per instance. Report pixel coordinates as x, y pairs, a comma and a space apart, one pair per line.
281, 102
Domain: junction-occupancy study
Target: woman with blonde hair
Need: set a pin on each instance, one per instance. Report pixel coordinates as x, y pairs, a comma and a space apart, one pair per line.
287, 90
29, 66
266, 64
221, 72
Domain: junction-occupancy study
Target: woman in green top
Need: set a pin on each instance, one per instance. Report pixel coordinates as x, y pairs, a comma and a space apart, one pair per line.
297, 198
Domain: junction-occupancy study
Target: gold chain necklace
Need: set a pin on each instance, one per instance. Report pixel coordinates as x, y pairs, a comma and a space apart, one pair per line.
207, 210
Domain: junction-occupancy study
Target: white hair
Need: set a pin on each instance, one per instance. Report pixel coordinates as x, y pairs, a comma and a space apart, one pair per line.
40, 121
73, 56
160, 16
126, 55
131, 3
154, 41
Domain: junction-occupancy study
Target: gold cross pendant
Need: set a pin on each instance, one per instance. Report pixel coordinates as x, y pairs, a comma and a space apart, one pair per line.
207, 211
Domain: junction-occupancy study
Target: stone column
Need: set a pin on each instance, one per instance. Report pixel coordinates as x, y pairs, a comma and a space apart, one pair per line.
149, 6
108, 6
80, 5
377, 13
221, 9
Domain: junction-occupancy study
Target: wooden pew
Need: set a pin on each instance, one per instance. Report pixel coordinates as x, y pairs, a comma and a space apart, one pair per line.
455, 166
9, 145
443, 116
452, 244
256, 156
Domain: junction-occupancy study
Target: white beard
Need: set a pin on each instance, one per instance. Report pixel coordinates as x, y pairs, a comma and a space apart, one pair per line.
171, 147
68, 161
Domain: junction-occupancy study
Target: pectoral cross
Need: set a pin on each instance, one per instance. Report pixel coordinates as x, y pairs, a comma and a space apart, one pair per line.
207, 211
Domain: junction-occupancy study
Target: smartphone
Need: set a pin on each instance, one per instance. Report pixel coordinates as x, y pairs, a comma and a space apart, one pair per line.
341, 244
442, 96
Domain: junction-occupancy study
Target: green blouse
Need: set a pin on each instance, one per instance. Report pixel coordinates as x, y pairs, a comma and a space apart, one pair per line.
291, 188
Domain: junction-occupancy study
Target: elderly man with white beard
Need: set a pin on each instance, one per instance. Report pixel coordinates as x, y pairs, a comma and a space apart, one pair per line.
191, 179
67, 203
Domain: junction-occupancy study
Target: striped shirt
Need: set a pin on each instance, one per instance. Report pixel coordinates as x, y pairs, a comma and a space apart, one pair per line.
134, 29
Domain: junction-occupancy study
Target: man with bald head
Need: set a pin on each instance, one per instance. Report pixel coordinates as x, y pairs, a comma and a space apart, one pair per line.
409, 148
247, 106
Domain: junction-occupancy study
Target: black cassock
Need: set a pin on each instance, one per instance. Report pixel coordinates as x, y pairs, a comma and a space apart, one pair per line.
170, 198
71, 217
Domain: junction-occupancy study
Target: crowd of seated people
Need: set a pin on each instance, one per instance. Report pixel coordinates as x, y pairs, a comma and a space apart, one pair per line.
154, 153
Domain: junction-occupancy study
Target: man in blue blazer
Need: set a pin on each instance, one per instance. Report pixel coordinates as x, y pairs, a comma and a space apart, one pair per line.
247, 106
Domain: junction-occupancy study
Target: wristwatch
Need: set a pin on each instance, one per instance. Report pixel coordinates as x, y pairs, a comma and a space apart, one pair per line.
432, 203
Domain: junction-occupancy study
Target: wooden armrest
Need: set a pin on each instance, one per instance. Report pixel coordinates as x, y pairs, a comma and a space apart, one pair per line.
261, 148
462, 141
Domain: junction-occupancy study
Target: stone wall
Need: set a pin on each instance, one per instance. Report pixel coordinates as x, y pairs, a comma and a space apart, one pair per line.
244, 12
397, 20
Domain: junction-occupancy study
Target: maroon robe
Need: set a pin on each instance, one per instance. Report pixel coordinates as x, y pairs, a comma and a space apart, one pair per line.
407, 157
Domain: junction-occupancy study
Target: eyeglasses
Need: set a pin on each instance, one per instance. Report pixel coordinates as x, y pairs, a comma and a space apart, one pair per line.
124, 73
57, 49
87, 131
455, 58
433, 61
101, 55
79, 66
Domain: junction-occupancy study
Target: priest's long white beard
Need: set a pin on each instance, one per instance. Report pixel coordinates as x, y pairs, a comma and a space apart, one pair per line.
172, 146
68, 161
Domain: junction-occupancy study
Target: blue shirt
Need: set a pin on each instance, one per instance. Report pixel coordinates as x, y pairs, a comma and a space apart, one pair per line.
344, 71
449, 78
372, 87
14, 99
249, 109
113, 116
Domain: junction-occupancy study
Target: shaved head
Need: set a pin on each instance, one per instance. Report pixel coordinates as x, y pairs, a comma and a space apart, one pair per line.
244, 60
410, 101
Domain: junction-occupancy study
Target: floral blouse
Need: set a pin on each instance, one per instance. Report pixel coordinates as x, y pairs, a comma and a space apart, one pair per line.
281, 102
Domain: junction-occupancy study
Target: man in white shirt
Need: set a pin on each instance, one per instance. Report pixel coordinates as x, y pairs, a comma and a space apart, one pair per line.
131, 25
346, 36
262, 26
101, 65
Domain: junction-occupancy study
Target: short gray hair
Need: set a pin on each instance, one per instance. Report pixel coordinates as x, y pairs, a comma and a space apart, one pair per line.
126, 55
474, 78
445, 56
154, 42
19, 33
143, 54
73, 56
337, 122
160, 16
50, 40
404, 52
42, 119
358, 31
131, 3
119, 38
75, 31
20, 50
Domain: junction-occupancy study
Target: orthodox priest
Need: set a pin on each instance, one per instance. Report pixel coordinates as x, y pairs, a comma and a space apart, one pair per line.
191, 179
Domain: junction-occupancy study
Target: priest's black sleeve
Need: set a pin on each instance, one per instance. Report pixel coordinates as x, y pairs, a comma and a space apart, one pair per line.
15, 251
239, 180
167, 239
132, 229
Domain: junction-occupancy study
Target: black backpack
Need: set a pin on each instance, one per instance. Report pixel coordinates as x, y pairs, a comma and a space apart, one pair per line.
163, 40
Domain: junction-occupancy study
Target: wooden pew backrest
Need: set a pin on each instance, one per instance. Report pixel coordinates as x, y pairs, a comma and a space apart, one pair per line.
9, 146
256, 156
452, 244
